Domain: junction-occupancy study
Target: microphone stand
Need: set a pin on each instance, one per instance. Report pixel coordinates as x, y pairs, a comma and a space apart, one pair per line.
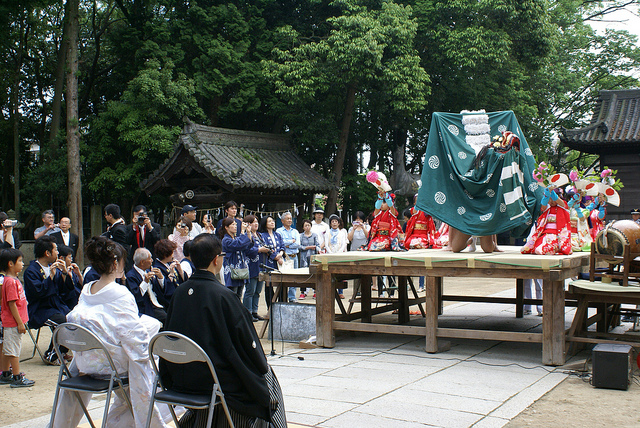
273, 349
270, 270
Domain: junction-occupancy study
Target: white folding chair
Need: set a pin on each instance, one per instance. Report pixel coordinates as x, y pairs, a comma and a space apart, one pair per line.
179, 349
80, 339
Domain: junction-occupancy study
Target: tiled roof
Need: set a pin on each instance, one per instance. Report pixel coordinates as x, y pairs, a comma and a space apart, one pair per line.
615, 124
243, 160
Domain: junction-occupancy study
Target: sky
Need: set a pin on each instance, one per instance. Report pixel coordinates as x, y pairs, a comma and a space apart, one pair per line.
627, 19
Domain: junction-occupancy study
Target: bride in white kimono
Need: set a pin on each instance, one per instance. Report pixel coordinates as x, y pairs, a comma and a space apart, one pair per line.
109, 310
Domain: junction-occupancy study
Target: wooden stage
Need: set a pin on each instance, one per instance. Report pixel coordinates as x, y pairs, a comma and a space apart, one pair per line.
329, 269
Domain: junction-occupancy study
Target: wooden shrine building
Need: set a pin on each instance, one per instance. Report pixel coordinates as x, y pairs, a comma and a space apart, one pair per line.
214, 165
614, 135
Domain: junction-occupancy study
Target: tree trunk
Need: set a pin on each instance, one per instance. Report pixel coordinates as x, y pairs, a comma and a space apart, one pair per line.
15, 117
401, 181
338, 162
56, 103
73, 134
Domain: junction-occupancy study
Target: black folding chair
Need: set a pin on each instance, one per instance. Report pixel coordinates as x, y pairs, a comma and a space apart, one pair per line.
35, 340
179, 349
80, 339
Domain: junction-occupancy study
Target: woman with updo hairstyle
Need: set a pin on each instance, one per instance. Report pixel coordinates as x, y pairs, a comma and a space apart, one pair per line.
110, 311
170, 267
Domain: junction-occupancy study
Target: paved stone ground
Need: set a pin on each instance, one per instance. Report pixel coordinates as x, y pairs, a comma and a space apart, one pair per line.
385, 380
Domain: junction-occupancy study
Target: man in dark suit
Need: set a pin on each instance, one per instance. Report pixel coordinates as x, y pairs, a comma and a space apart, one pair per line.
46, 288
142, 233
66, 238
144, 283
117, 230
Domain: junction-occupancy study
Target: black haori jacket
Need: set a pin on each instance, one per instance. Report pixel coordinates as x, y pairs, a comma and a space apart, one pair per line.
212, 315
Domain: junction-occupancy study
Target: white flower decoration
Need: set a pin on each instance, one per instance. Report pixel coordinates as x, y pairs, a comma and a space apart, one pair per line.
503, 207
502, 128
533, 186
453, 129
528, 152
491, 193
451, 176
440, 198
461, 210
462, 155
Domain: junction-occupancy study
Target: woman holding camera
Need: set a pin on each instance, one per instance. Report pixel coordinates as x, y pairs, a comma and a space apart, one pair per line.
180, 235
275, 257
358, 232
253, 286
234, 245
207, 224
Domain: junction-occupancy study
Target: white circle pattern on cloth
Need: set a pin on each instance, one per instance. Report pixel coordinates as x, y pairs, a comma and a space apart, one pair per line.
486, 216
440, 198
453, 129
461, 210
434, 162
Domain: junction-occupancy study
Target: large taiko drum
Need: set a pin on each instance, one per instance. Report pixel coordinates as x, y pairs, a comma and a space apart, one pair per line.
618, 234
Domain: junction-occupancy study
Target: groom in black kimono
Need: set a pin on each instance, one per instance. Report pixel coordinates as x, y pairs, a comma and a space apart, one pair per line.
206, 311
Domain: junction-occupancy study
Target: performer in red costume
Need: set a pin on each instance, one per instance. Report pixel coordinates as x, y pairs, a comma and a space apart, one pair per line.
421, 231
386, 232
552, 234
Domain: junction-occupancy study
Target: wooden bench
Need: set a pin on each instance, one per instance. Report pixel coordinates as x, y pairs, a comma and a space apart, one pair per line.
603, 296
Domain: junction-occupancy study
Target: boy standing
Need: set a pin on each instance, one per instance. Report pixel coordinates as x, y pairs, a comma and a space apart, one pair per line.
14, 317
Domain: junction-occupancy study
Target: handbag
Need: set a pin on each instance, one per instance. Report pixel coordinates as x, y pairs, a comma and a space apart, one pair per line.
240, 273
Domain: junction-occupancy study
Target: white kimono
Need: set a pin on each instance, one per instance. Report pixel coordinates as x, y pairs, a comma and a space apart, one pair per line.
112, 315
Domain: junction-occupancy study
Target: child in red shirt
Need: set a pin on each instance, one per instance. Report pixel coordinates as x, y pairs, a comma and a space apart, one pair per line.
14, 318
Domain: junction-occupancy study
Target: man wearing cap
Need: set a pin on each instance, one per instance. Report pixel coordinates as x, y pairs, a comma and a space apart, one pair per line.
319, 227
635, 215
189, 212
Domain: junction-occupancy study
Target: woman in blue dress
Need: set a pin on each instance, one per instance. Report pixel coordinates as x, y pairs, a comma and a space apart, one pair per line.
234, 245
275, 255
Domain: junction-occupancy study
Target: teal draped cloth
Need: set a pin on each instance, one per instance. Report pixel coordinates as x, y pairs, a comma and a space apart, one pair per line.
500, 195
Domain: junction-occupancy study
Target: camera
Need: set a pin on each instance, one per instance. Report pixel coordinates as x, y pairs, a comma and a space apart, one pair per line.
12, 223
142, 218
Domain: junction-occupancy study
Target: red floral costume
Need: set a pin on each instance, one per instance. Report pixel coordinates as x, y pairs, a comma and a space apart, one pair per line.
386, 233
597, 224
421, 231
552, 235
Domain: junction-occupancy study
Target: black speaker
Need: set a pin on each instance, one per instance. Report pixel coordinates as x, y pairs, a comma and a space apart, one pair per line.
611, 366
